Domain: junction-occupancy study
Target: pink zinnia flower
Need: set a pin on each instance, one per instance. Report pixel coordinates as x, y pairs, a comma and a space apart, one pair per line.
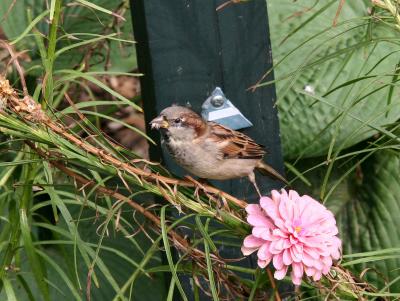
292, 230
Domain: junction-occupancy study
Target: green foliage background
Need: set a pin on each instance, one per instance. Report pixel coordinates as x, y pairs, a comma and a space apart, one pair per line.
347, 120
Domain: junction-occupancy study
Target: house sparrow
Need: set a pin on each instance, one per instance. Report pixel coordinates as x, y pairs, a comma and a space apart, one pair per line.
209, 150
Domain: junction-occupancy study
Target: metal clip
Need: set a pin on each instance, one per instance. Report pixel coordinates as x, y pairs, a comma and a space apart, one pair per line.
219, 109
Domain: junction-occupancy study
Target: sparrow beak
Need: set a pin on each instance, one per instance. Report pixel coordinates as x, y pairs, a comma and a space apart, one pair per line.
159, 122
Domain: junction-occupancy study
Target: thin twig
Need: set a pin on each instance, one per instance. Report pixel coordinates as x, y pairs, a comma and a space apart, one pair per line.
17, 66
341, 3
102, 189
9, 9
273, 285
227, 3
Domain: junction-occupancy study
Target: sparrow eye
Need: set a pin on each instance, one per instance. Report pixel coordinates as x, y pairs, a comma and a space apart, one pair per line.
178, 120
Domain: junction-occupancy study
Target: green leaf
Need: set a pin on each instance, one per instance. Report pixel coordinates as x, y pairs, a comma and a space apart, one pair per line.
338, 62
96, 7
72, 74
169, 254
203, 232
39, 273
66, 281
210, 271
370, 220
9, 290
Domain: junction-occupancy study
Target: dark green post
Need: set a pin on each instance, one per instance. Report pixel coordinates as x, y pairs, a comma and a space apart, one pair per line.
186, 48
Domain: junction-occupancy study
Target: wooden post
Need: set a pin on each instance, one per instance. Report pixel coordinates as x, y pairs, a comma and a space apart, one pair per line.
186, 48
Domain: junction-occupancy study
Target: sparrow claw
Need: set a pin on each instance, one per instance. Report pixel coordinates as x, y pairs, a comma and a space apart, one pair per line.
198, 186
179, 208
220, 203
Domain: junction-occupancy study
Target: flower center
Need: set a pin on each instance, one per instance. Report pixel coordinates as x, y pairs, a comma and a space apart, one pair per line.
297, 229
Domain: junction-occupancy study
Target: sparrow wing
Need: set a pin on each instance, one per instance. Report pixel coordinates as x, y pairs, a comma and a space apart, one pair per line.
233, 144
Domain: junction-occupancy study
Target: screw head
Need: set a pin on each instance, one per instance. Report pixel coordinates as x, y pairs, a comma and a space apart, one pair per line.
217, 101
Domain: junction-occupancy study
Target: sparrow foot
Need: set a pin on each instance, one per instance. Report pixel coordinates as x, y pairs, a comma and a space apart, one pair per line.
252, 179
199, 185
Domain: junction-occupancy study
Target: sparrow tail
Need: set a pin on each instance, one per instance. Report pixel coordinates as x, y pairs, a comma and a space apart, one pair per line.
267, 170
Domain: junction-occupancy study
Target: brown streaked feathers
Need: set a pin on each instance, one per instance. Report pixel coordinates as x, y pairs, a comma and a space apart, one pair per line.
210, 150
238, 145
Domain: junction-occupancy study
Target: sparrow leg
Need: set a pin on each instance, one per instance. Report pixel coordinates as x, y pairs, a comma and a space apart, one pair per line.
199, 184
204, 181
252, 179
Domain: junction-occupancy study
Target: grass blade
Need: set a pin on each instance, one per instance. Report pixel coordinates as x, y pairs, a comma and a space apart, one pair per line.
9, 290
29, 27
99, 8
169, 254
210, 271
34, 261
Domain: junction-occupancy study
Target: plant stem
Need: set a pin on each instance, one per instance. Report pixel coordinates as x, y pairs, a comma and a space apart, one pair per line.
51, 49
12, 244
26, 177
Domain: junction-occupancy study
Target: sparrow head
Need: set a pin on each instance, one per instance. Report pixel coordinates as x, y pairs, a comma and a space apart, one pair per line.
180, 122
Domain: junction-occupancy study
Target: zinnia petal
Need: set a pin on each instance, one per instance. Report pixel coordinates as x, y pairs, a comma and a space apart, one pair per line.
318, 264
276, 196
264, 253
327, 260
259, 221
295, 254
281, 273
286, 257
286, 209
309, 271
262, 232
252, 242
279, 233
326, 269
312, 252
247, 251
254, 209
293, 195
308, 260
295, 280
277, 261
317, 275
297, 269
271, 209
262, 263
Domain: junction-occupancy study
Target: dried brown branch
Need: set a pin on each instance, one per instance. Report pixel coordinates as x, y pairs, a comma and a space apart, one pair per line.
14, 59
227, 3
181, 242
341, 3
273, 285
